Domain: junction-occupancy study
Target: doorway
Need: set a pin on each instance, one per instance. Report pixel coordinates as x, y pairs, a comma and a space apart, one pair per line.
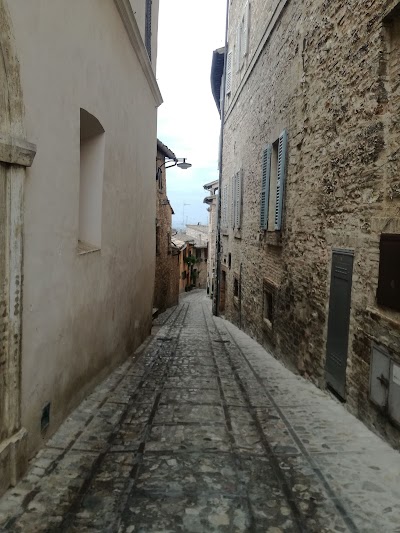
222, 293
339, 320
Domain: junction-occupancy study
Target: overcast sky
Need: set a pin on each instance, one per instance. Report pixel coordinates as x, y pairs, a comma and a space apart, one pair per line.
188, 120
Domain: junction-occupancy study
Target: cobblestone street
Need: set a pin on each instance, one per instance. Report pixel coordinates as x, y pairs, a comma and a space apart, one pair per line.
204, 431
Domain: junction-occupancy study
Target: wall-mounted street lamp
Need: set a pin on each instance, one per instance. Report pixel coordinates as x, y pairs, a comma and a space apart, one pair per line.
169, 163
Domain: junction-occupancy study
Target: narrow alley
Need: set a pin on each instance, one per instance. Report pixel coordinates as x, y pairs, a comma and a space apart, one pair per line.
201, 431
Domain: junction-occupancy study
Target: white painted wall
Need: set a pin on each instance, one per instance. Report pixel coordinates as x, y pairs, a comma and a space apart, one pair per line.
82, 314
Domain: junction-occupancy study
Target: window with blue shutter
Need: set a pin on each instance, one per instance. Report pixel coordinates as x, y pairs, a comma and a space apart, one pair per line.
280, 182
265, 182
228, 82
224, 206
238, 200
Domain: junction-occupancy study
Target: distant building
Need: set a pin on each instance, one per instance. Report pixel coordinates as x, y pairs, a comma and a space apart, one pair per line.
195, 256
212, 201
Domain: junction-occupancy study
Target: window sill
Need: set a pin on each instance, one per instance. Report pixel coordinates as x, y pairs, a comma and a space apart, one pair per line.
273, 238
84, 248
237, 234
225, 232
384, 315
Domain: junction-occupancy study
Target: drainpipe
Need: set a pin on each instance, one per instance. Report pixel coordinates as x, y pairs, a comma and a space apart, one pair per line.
240, 296
221, 146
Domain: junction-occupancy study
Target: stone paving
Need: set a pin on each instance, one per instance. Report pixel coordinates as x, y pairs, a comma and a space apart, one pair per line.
204, 431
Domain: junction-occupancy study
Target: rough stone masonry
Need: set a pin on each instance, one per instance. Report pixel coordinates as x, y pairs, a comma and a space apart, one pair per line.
327, 72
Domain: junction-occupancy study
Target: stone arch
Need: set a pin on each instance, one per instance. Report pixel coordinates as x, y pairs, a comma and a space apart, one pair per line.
15, 155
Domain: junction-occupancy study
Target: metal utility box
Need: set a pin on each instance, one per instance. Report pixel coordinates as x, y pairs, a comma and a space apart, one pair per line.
394, 392
379, 376
384, 386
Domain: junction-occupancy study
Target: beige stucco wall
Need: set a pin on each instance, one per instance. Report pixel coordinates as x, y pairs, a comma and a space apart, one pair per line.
82, 313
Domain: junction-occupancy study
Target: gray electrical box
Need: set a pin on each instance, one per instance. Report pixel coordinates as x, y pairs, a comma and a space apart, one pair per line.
379, 376
394, 392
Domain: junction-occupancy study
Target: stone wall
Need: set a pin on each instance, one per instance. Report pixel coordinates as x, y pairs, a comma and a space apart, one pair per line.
322, 71
166, 289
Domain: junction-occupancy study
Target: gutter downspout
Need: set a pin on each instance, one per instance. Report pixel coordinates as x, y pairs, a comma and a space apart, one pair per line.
221, 146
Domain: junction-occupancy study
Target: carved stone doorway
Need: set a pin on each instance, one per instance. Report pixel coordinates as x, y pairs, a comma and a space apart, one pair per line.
15, 155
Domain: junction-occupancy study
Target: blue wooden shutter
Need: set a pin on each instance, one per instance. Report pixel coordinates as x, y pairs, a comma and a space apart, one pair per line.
244, 44
238, 199
233, 200
228, 82
237, 47
280, 182
265, 179
224, 202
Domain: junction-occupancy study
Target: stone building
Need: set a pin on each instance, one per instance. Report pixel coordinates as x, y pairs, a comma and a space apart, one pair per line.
211, 201
310, 193
182, 250
166, 287
196, 239
77, 240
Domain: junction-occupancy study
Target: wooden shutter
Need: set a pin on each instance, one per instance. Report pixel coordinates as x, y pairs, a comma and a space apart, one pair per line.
244, 45
265, 181
280, 182
233, 201
238, 199
228, 82
237, 47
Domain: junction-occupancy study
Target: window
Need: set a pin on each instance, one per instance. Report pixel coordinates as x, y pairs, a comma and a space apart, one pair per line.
148, 28
236, 287
228, 82
229, 260
236, 200
198, 253
388, 293
92, 143
269, 296
242, 37
273, 183
224, 206
268, 307
160, 178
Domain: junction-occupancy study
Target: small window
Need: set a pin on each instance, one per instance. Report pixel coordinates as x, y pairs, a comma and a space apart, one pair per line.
92, 144
198, 253
236, 287
388, 294
229, 260
268, 306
